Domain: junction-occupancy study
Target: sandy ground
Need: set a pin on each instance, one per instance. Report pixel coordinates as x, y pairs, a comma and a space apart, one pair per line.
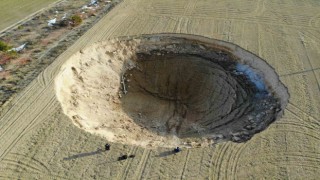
38, 141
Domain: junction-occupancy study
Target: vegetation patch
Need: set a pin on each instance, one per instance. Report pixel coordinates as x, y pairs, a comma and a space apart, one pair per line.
4, 46
76, 20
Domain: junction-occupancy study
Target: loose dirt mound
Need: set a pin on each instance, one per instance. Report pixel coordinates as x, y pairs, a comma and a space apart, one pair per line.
169, 90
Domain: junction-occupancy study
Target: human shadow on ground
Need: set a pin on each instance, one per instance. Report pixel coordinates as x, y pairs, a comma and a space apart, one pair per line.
120, 158
81, 155
166, 153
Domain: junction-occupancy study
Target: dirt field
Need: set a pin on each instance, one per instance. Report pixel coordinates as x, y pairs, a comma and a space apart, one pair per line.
38, 141
12, 11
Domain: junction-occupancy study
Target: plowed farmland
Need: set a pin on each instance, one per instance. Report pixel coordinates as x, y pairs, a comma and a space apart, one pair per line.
13, 11
38, 141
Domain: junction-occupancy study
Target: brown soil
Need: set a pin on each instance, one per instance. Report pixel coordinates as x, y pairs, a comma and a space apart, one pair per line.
170, 90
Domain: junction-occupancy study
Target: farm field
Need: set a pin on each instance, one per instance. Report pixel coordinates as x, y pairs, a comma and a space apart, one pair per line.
38, 141
12, 11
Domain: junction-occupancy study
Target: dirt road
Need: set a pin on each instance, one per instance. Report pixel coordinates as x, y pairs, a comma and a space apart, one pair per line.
38, 141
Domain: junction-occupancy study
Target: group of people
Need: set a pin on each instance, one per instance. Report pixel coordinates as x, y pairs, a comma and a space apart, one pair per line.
123, 157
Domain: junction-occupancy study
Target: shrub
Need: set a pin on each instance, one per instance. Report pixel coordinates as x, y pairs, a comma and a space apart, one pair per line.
4, 46
5, 57
12, 54
64, 23
76, 20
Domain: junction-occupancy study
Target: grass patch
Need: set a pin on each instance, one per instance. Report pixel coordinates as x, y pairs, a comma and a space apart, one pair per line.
4, 46
76, 20
5, 55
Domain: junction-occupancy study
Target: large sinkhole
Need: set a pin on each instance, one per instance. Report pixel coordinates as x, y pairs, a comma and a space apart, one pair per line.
170, 90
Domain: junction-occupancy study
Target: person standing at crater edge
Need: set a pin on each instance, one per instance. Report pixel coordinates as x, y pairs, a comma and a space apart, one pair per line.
176, 150
107, 147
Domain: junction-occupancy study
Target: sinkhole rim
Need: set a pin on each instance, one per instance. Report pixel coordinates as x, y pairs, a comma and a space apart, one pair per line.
163, 43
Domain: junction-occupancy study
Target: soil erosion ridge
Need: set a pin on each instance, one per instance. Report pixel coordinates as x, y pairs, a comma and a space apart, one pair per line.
170, 90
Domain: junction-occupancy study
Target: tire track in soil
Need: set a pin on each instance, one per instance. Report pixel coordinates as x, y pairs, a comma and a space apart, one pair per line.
229, 158
154, 28
65, 143
236, 160
61, 144
42, 138
218, 161
251, 173
33, 175
54, 105
147, 169
314, 21
191, 4
288, 160
30, 161
8, 145
20, 114
222, 156
47, 172
29, 165
164, 27
298, 125
91, 164
211, 164
185, 164
143, 25
143, 162
257, 20
314, 37
203, 164
114, 28
27, 171
16, 102
44, 75
311, 118
309, 61
310, 132
177, 7
260, 8
125, 169
313, 156
41, 79
233, 155
298, 131
111, 28
198, 163
299, 72
155, 167
19, 164
300, 120
152, 25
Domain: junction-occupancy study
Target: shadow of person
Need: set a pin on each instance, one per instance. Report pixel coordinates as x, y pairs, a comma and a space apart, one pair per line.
166, 153
81, 155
